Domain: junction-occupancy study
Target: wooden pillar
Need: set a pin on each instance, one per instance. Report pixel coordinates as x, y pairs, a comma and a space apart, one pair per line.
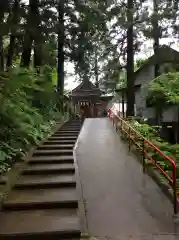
92, 109
123, 111
72, 104
74, 107
67, 109
95, 110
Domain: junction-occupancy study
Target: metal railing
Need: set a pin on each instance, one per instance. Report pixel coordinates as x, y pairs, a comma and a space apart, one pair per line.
145, 147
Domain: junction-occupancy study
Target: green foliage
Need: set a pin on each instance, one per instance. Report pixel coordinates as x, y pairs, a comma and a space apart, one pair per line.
145, 130
151, 133
164, 90
49, 51
122, 82
122, 79
27, 112
139, 63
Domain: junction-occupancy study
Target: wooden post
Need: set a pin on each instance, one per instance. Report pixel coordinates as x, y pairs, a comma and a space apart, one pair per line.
74, 106
143, 154
177, 126
129, 136
123, 105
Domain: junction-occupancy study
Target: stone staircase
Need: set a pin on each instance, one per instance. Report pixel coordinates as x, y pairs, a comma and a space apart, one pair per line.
43, 203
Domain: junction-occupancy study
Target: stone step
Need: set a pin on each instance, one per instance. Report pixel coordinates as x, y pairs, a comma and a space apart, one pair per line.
62, 138
53, 152
41, 199
72, 122
77, 128
49, 169
72, 126
43, 202
67, 131
2, 181
72, 131
45, 181
51, 159
40, 224
60, 142
56, 146
65, 134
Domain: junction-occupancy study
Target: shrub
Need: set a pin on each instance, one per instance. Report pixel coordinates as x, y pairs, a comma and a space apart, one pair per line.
27, 111
164, 90
150, 132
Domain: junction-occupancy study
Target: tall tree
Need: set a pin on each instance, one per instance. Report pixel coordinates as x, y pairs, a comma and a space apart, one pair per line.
29, 32
3, 8
13, 35
38, 40
96, 68
130, 61
61, 40
156, 36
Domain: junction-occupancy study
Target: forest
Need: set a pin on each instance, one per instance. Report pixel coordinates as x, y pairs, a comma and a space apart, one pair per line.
100, 38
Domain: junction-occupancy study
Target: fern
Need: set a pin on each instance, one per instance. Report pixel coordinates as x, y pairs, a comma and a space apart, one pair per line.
27, 111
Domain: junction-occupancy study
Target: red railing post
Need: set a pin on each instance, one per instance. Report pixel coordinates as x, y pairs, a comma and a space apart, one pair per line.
120, 127
175, 202
129, 136
143, 154
116, 124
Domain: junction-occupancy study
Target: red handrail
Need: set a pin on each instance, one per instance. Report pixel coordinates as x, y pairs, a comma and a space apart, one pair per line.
129, 132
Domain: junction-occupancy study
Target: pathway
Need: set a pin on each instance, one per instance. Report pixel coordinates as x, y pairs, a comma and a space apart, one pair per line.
120, 201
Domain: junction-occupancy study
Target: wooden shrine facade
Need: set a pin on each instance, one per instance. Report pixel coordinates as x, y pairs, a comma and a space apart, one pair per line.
87, 97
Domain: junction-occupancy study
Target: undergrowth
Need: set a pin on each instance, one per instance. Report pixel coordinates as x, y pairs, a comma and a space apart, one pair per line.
27, 112
151, 133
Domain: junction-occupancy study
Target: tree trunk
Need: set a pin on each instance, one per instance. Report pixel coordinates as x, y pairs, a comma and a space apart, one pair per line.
1, 55
12, 44
26, 54
38, 40
11, 49
2, 11
156, 36
61, 57
96, 70
37, 54
32, 21
130, 61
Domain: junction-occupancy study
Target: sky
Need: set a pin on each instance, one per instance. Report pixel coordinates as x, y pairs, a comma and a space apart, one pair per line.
70, 82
